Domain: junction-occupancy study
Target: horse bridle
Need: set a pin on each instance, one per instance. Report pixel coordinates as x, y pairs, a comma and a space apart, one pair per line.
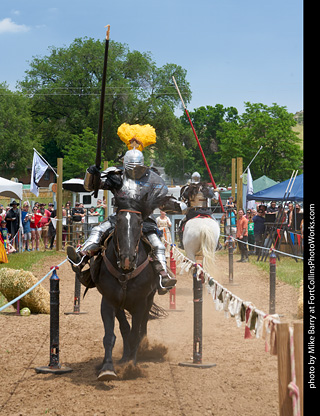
117, 247
123, 278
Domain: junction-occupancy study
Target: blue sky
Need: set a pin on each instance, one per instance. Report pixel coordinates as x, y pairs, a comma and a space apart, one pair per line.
233, 50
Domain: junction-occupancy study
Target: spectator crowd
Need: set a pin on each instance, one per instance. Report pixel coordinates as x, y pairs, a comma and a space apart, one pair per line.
38, 225
249, 228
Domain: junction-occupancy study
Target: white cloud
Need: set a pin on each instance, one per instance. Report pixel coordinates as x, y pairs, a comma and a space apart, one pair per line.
8, 26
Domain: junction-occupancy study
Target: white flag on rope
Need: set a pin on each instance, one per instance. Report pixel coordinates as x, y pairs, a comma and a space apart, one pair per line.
39, 166
250, 204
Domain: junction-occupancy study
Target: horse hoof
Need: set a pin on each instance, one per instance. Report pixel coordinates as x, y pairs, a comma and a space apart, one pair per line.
107, 375
123, 360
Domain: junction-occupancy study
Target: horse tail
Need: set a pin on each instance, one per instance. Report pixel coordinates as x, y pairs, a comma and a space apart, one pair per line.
208, 247
157, 312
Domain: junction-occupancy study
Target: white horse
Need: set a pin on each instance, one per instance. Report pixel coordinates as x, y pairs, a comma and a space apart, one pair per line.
201, 235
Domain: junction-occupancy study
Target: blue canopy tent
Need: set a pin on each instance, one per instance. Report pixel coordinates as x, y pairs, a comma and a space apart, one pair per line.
276, 192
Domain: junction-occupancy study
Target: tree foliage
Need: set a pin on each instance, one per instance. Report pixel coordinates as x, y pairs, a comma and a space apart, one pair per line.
65, 89
17, 135
208, 121
270, 127
81, 150
57, 111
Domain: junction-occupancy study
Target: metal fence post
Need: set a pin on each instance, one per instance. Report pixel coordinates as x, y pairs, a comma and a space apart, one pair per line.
172, 292
197, 324
272, 298
54, 364
230, 246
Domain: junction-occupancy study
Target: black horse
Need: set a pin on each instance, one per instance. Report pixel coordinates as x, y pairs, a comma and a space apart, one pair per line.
126, 280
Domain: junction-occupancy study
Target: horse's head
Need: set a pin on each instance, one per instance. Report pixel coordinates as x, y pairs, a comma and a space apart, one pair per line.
127, 235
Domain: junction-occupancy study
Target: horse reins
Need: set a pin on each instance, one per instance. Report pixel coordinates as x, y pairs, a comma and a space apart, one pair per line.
123, 278
130, 210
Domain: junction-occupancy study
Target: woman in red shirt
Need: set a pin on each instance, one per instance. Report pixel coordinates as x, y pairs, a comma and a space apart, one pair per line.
34, 226
44, 224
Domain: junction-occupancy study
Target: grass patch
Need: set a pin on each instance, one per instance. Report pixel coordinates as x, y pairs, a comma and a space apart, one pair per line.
287, 269
27, 260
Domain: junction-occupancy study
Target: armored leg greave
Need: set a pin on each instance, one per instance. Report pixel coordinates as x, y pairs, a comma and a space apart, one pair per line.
160, 264
158, 249
92, 244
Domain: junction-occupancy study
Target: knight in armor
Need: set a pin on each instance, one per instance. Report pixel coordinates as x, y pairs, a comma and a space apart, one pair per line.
133, 181
196, 195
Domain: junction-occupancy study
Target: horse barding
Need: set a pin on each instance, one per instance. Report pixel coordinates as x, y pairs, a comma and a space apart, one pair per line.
201, 237
124, 276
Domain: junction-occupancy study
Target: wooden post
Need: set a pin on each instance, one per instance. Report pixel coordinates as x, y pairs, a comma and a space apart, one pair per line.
105, 193
239, 183
59, 205
284, 369
233, 179
298, 354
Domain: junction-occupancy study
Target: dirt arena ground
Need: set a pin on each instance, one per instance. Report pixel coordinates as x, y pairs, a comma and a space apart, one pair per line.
244, 380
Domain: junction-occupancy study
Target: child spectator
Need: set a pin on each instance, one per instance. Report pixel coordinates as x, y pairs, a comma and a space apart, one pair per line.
3, 253
4, 233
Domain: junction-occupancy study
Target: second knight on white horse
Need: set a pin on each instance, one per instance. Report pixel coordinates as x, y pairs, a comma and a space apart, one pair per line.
196, 195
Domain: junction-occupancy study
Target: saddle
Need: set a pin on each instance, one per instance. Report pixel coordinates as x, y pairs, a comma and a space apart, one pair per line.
95, 262
195, 213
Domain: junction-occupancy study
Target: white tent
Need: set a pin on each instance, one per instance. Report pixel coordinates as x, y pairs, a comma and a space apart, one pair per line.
11, 189
74, 185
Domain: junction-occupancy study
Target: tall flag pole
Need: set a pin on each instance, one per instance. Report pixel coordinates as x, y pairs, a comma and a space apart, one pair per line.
100, 125
195, 135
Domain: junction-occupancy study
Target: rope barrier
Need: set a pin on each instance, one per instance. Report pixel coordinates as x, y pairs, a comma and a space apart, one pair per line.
243, 311
29, 290
264, 248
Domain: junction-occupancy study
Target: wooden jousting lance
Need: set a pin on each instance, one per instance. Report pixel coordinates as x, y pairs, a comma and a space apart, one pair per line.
195, 135
100, 125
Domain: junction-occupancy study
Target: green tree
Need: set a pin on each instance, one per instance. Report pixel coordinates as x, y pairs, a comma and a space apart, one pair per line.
78, 154
175, 143
208, 121
17, 135
65, 91
270, 127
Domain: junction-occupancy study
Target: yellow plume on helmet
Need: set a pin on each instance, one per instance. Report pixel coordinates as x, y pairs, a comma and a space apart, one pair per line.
137, 136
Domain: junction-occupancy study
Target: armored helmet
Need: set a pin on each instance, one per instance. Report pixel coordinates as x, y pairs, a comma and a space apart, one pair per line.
195, 178
133, 163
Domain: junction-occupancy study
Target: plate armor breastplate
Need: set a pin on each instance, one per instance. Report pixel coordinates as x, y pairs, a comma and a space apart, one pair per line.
198, 201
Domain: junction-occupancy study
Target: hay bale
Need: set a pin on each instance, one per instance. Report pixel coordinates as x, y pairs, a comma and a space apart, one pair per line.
15, 282
300, 302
